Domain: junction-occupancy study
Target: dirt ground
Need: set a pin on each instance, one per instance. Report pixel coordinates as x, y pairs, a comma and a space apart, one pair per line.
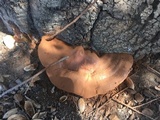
138, 98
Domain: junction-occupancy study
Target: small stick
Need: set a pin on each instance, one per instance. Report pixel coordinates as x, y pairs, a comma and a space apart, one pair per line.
151, 69
40, 72
65, 27
147, 102
131, 108
112, 97
108, 101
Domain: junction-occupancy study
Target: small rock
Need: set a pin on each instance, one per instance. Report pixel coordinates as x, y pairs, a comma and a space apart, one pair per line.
139, 98
147, 111
81, 105
9, 41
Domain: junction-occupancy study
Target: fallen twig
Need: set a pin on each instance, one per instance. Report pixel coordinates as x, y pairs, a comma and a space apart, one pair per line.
131, 108
152, 70
147, 102
65, 27
111, 98
40, 72
105, 103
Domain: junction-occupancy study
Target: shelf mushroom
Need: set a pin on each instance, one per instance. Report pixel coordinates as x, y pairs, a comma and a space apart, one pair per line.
83, 73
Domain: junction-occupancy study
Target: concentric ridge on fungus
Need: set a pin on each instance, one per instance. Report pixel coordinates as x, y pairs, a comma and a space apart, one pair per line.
83, 73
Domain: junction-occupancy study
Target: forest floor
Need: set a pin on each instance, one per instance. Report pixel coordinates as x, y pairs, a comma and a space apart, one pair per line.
137, 98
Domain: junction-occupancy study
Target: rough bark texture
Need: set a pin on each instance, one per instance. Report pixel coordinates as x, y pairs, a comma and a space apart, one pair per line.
131, 26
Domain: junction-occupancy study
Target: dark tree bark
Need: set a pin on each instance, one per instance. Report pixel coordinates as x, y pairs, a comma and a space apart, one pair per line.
131, 26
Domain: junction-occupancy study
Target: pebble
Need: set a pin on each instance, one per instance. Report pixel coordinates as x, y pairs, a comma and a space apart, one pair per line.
9, 41
147, 111
81, 105
139, 98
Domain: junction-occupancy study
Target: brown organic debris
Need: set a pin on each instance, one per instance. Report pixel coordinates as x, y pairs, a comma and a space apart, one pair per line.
83, 73
29, 108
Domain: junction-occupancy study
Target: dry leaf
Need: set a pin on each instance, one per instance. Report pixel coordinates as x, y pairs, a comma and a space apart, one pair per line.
17, 117
81, 105
10, 112
28, 106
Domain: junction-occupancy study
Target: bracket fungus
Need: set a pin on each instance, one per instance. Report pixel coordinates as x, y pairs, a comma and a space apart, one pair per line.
83, 73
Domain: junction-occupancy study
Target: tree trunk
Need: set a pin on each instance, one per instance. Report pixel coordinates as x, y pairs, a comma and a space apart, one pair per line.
131, 26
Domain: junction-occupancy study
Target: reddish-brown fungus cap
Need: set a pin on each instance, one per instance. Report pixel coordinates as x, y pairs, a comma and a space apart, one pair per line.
84, 73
